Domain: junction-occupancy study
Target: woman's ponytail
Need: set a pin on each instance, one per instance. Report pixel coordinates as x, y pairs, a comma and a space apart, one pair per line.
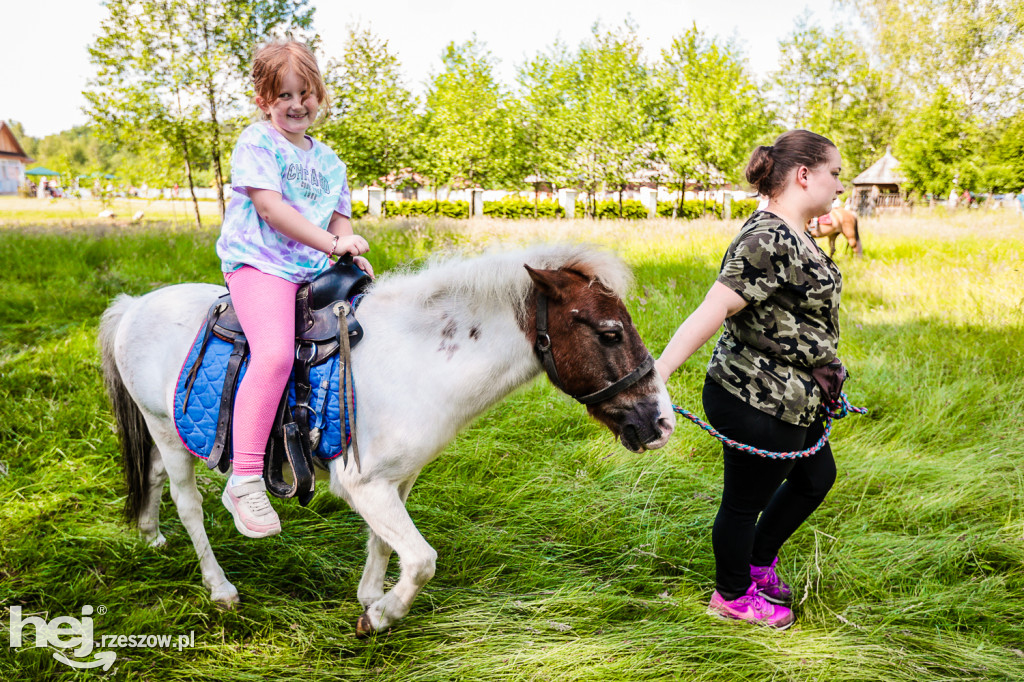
769, 165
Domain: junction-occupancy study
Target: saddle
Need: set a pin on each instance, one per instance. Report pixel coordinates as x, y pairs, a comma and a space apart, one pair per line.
325, 326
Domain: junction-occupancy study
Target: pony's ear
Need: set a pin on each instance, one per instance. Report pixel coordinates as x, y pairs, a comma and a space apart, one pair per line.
551, 283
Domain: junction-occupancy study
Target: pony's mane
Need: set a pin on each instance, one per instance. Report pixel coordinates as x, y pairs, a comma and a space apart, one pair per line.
498, 275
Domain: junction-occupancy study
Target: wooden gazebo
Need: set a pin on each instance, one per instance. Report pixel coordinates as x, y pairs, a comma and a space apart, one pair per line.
878, 187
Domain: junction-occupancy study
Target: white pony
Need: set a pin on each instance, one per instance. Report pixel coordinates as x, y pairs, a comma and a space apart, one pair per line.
440, 346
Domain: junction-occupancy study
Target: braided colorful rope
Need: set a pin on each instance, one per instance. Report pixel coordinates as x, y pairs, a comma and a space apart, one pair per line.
831, 413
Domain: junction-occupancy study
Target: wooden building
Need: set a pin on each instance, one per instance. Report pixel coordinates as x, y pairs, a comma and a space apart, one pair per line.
12, 161
878, 187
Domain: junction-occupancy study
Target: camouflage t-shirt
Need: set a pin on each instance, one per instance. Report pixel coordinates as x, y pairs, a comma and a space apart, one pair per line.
790, 323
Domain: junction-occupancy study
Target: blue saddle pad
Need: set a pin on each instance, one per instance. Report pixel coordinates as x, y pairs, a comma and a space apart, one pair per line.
196, 420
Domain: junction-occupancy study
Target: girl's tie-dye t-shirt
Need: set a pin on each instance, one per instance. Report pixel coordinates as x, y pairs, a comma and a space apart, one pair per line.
313, 182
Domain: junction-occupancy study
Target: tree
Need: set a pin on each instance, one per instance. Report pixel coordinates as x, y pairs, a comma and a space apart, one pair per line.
1003, 154
545, 124
937, 147
971, 48
169, 71
374, 123
825, 83
612, 100
715, 111
466, 134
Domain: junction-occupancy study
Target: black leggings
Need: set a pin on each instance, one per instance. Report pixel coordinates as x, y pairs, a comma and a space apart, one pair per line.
783, 492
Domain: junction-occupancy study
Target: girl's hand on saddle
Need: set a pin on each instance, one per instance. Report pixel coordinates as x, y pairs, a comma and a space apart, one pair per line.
363, 265
351, 243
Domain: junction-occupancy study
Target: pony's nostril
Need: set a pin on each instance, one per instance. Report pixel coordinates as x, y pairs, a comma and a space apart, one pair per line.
630, 437
666, 426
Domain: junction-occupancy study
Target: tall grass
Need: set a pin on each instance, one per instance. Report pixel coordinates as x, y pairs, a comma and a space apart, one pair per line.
561, 555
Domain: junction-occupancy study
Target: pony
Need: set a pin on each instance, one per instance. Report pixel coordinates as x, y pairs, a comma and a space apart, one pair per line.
441, 345
842, 221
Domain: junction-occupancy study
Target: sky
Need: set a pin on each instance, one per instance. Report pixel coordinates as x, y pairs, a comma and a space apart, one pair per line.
44, 93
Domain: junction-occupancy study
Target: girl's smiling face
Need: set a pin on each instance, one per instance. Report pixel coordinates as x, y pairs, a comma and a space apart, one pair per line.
294, 110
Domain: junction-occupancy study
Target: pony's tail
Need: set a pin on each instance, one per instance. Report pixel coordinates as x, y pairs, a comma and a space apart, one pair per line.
859, 249
136, 440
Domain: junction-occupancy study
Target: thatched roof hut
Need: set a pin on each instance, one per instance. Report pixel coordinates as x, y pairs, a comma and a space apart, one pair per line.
878, 187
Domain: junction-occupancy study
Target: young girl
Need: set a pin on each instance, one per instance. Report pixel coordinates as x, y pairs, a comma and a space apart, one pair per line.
288, 216
778, 296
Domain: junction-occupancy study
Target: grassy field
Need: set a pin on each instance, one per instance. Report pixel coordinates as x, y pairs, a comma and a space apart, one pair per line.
561, 555
70, 212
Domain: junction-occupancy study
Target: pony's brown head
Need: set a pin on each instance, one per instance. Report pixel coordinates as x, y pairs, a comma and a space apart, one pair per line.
585, 339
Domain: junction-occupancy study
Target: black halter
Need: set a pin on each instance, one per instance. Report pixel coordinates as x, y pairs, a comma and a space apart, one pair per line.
543, 349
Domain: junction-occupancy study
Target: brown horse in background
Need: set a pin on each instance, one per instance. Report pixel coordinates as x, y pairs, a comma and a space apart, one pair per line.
840, 221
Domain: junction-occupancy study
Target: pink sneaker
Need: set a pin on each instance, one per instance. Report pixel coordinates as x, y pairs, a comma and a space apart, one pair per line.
248, 503
751, 607
769, 584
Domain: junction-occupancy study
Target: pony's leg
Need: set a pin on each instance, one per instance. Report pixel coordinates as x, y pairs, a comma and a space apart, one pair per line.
381, 506
149, 519
832, 244
371, 586
852, 241
378, 554
180, 467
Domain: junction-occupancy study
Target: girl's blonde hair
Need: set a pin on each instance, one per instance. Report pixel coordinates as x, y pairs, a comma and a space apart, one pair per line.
273, 59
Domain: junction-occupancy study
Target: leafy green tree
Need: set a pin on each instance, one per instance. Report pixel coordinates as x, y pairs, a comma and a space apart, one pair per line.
716, 113
971, 48
466, 134
612, 99
825, 83
170, 71
1003, 153
374, 124
937, 147
545, 124
139, 97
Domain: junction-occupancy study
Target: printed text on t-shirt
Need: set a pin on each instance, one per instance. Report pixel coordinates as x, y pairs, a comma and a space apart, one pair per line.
313, 184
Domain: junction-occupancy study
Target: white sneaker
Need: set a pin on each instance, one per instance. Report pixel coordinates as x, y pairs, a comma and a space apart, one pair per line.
249, 505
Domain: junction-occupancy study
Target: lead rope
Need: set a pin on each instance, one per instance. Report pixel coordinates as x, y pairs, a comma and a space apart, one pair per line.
831, 413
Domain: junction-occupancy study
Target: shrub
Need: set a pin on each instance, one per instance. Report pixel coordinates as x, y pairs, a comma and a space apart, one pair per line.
744, 208
691, 210
428, 207
522, 207
514, 207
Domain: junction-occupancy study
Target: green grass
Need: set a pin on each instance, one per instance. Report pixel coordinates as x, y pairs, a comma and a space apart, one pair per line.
561, 555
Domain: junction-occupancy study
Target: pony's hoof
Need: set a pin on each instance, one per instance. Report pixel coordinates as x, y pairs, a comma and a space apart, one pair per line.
364, 627
157, 542
226, 598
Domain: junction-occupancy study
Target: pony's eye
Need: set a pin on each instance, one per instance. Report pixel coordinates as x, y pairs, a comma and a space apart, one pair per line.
611, 338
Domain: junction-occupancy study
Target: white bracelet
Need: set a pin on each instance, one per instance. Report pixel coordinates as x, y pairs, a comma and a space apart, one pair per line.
334, 245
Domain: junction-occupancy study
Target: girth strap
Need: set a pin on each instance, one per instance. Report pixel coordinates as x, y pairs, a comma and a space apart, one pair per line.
211, 320
346, 383
239, 349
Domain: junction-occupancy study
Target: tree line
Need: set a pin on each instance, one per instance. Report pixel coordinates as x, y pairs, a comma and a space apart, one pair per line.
938, 80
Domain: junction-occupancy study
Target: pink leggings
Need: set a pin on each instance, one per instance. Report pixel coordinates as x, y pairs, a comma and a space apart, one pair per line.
266, 310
